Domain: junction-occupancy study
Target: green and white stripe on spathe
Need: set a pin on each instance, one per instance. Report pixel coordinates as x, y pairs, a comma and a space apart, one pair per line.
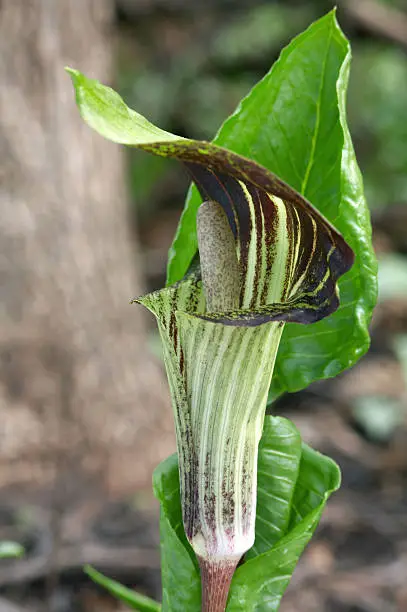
228, 372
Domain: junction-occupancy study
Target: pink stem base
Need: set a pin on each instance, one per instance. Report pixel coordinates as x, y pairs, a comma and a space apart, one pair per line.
216, 577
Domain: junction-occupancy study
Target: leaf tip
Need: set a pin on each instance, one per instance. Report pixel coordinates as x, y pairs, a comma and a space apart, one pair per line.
79, 82
75, 75
88, 569
71, 71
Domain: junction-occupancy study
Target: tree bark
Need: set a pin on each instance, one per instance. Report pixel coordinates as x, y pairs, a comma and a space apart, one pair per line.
79, 392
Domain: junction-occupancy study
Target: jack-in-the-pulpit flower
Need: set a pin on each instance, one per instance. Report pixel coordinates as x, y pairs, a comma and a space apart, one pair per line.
266, 258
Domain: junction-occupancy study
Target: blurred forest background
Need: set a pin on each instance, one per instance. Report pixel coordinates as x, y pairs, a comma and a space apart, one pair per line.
85, 225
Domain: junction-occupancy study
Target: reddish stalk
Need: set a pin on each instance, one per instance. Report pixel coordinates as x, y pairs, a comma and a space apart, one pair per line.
216, 577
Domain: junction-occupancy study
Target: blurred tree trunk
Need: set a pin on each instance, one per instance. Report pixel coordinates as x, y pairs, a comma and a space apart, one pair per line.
79, 393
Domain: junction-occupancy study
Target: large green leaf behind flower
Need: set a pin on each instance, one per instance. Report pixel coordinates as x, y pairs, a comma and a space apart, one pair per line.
293, 122
294, 483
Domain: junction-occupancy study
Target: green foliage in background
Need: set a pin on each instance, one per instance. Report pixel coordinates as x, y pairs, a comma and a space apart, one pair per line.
378, 119
10, 550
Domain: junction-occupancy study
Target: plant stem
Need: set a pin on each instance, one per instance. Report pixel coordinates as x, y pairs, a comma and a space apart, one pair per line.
216, 577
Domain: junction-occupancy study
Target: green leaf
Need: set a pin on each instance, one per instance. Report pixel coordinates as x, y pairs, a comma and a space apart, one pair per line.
303, 481
293, 122
134, 600
10, 549
280, 447
294, 483
260, 583
181, 583
106, 112
319, 476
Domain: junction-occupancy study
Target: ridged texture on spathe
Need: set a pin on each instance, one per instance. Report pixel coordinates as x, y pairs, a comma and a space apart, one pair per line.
227, 376
188, 297
219, 377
